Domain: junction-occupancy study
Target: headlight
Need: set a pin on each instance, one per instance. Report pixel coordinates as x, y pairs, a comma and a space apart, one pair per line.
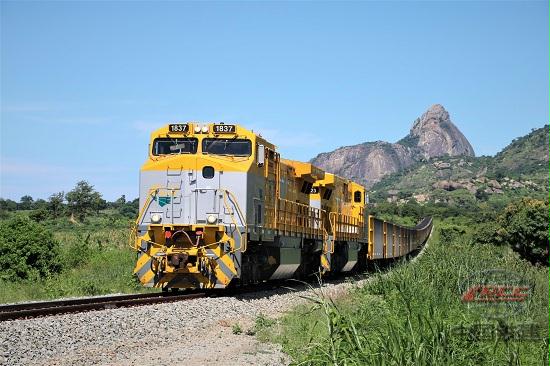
211, 219
197, 129
156, 218
204, 129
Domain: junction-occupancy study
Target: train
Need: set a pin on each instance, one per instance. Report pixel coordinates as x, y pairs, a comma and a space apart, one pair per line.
219, 207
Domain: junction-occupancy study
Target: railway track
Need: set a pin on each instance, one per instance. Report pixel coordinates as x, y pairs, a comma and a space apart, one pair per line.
35, 309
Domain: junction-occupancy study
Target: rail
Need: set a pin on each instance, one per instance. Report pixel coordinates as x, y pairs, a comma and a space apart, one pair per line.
42, 308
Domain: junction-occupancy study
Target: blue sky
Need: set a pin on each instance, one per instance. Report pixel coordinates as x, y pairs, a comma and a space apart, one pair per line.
84, 83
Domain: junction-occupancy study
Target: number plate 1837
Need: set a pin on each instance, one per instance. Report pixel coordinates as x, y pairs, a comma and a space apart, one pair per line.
225, 129
180, 127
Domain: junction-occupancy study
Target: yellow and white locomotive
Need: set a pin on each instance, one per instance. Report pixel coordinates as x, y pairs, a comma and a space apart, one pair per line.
218, 207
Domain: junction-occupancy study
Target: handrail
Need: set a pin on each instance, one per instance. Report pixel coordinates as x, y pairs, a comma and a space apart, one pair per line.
228, 195
146, 204
303, 212
333, 227
133, 233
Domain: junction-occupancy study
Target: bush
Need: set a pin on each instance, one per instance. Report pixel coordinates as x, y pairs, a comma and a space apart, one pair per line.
524, 226
27, 250
39, 215
488, 233
449, 233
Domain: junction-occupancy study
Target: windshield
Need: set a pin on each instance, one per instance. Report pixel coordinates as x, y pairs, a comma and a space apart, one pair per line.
167, 146
227, 147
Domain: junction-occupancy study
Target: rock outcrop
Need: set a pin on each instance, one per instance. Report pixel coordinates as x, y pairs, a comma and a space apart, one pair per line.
432, 135
436, 135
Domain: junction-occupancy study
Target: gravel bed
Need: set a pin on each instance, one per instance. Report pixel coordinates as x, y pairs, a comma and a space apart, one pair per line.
197, 331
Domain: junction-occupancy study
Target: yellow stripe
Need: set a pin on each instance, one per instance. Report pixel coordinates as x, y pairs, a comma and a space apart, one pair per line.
145, 258
147, 277
198, 161
324, 263
229, 263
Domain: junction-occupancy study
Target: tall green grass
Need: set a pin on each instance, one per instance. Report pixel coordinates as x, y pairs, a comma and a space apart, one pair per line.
410, 315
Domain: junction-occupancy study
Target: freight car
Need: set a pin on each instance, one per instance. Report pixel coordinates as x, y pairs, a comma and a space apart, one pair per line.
219, 207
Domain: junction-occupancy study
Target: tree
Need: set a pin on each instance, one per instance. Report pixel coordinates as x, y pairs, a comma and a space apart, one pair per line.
524, 226
120, 202
8, 205
55, 204
98, 203
83, 199
40, 204
25, 203
27, 250
130, 209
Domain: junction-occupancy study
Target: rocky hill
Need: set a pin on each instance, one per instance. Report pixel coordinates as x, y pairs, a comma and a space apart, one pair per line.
432, 135
520, 169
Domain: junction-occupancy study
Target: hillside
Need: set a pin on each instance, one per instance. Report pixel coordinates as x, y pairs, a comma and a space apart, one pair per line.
526, 156
520, 169
432, 135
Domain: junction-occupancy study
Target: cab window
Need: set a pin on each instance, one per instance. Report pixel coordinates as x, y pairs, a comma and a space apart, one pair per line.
232, 147
169, 146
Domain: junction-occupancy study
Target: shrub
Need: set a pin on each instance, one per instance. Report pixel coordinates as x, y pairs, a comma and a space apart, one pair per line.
27, 250
524, 225
39, 215
488, 233
449, 233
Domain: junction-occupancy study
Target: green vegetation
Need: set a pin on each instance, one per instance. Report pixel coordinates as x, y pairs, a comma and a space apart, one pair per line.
236, 329
413, 314
94, 259
525, 157
53, 249
28, 251
523, 225
82, 202
261, 323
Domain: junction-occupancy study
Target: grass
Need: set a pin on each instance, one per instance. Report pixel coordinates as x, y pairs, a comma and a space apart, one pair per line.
410, 315
236, 329
96, 258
